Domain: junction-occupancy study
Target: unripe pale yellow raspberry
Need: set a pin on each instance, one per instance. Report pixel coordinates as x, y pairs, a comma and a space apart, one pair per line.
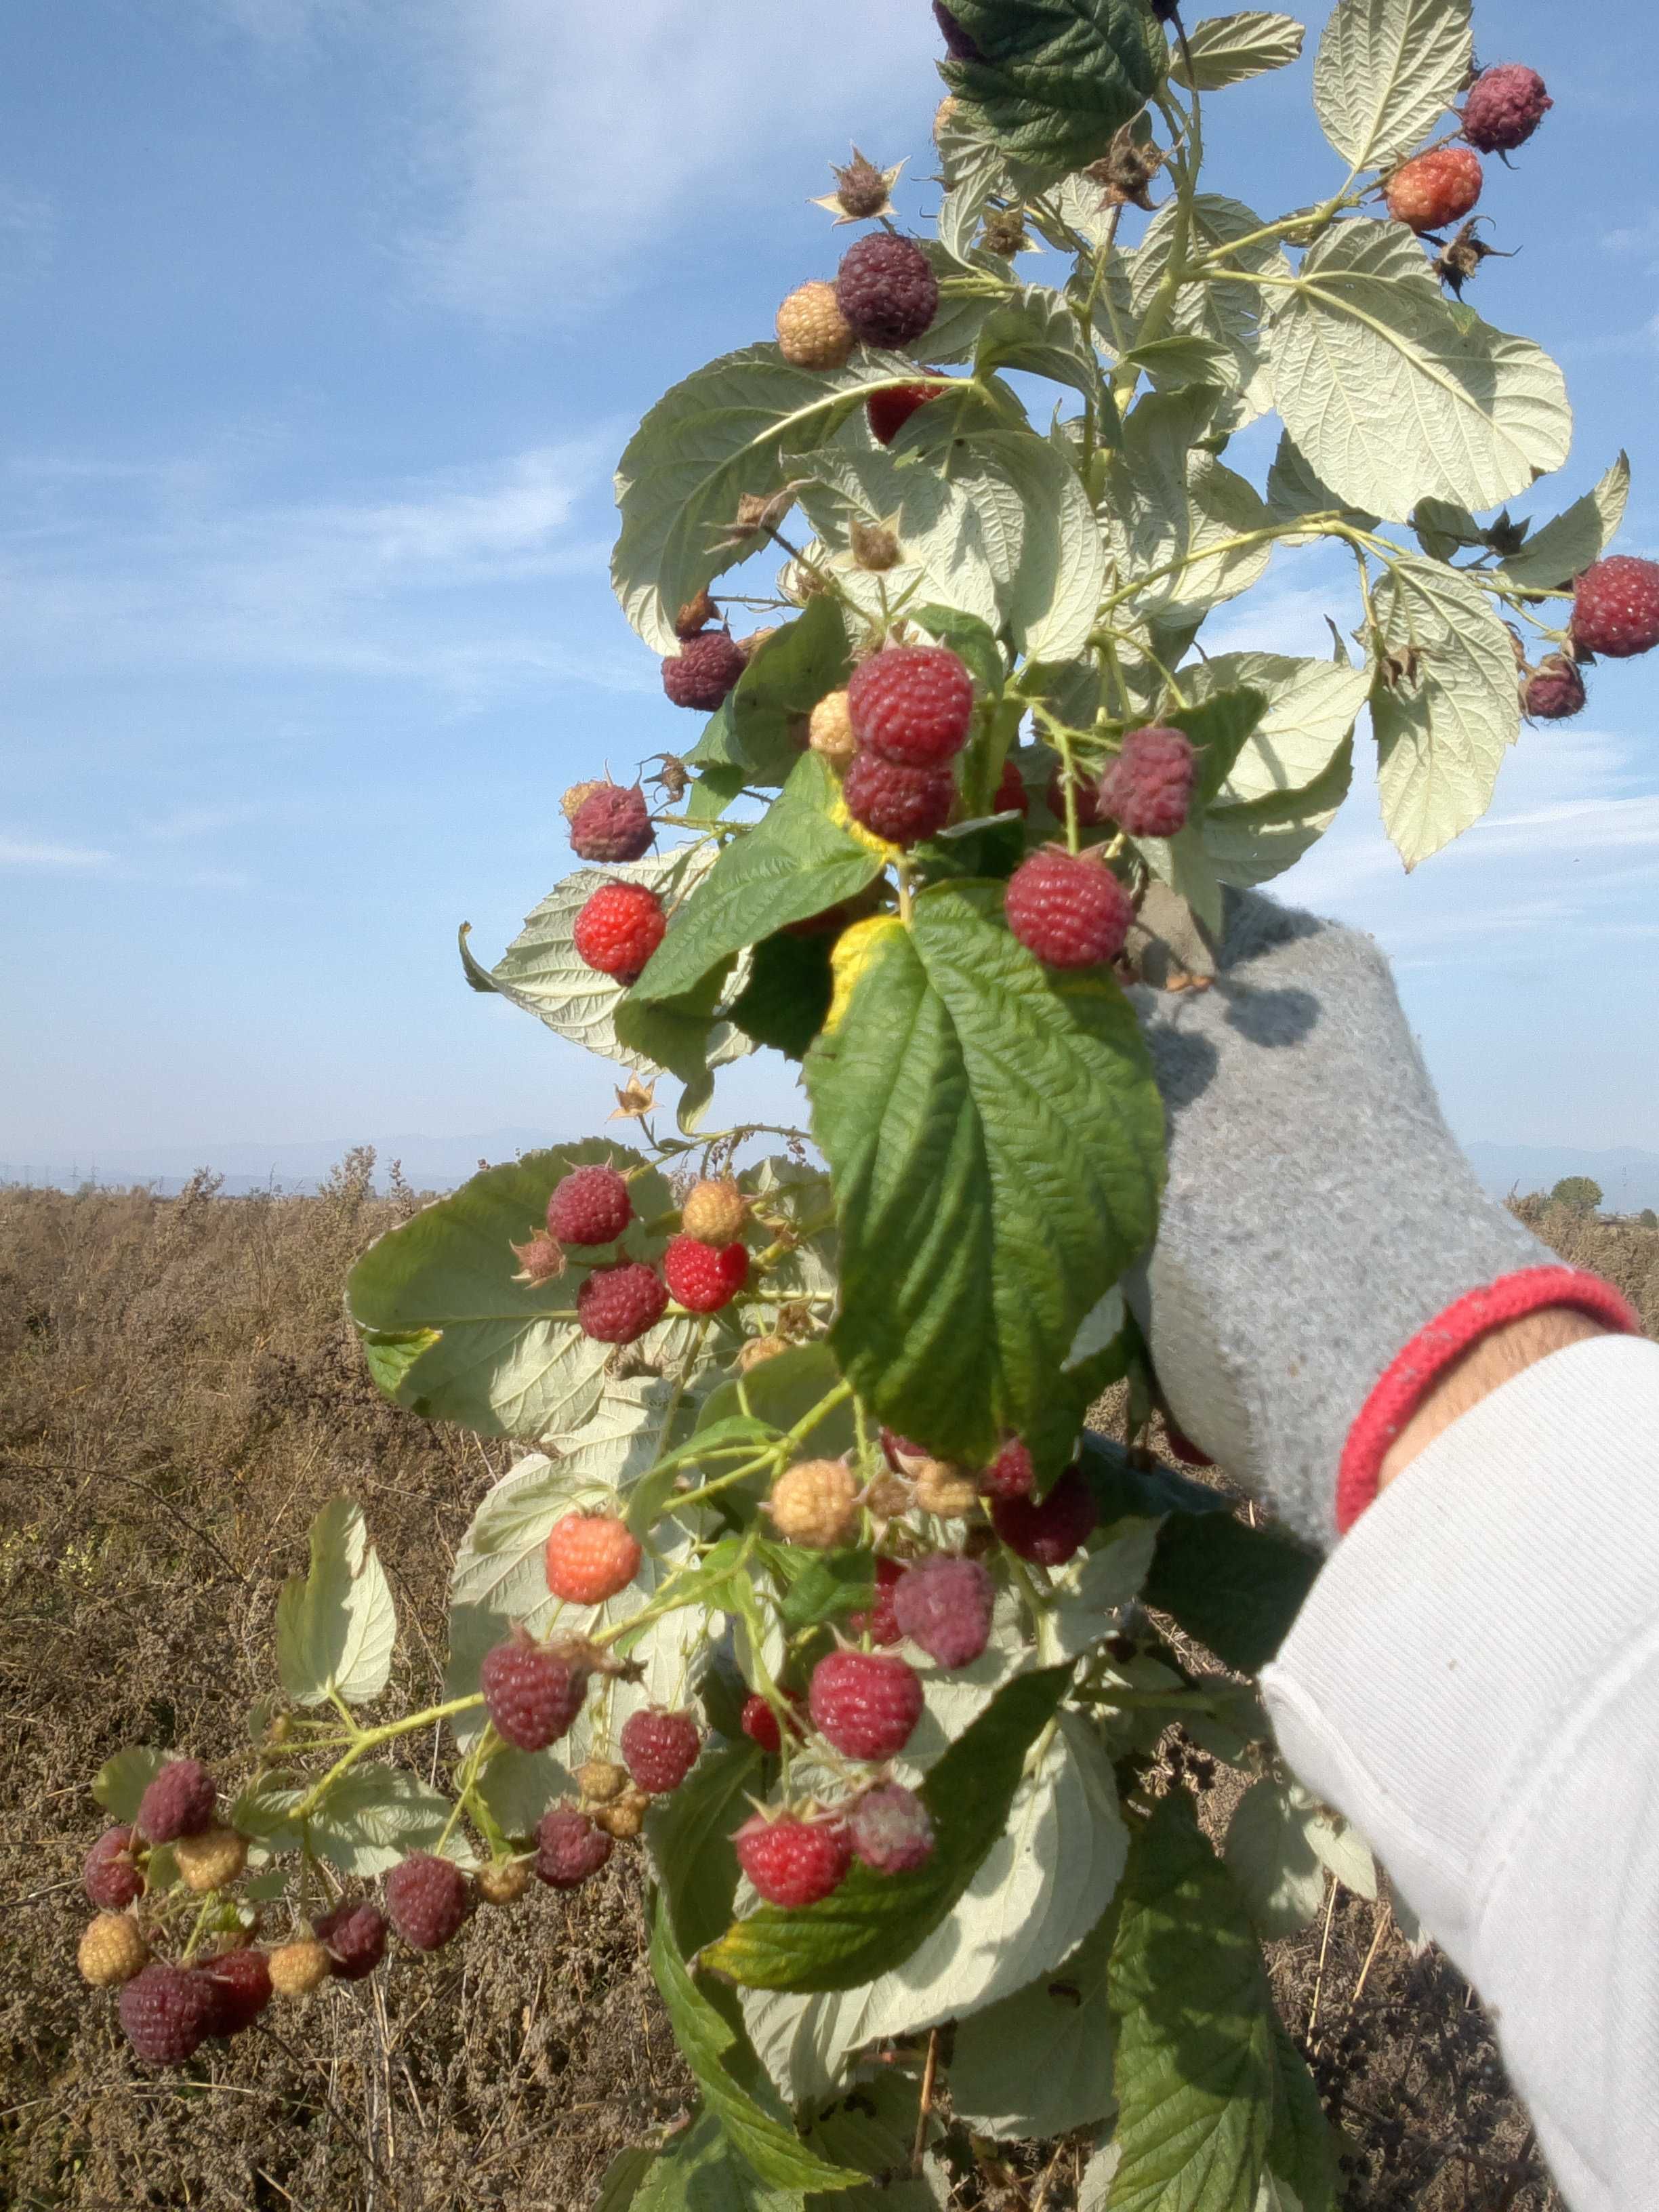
944, 116
296, 1969
112, 1950
599, 1780
571, 804
830, 734
944, 1489
211, 1860
812, 331
504, 1884
758, 1351
626, 1817
713, 1212
815, 1503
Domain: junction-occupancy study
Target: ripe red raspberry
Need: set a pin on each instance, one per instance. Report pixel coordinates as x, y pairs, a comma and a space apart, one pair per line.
591, 1205
1011, 797
426, 1900
760, 1724
886, 288
1616, 608
1011, 1473
165, 2011
901, 805
240, 1985
179, 1801
704, 672
1089, 815
612, 825
1047, 1530
889, 411
890, 1829
660, 1749
619, 929
590, 1557
1069, 908
912, 704
1148, 788
1436, 189
570, 1848
530, 1695
704, 1276
620, 1302
944, 1605
866, 1703
355, 1936
1505, 105
109, 1877
791, 1862
880, 1624
1555, 691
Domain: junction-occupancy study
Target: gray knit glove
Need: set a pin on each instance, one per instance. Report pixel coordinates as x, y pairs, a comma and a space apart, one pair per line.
1325, 1251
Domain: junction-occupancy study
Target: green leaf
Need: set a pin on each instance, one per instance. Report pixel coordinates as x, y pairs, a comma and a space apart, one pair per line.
785, 1002
120, 1782
873, 1923
874, 2127
1040, 2062
1273, 1864
1058, 78
372, 1817
1445, 722
1286, 784
950, 546
1172, 513
1035, 330
620, 2189
1392, 398
1302, 2155
679, 1034
1237, 1590
781, 1392
1564, 548
689, 1837
1443, 528
702, 2172
804, 663
1052, 564
834, 1583
1230, 49
1386, 72
972, 640
1225, 312
337, 1625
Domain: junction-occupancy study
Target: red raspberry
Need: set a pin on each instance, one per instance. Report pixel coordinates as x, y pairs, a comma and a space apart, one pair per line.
1011, 1473
890, 1830
179, 1801
530, 1695
866, 1703
1069, 908
426, 1900
165, 2011
1616, 608
1149, 786
570, 1848
241, 1985
704, 1276
1436, 189
612, 825
620, 1302
792, 1862
889, 411
1183, 1447
660, 1749
704, 672
110, 1879
590, 1207
1555, 691
619, 929
912, 704
355, 1936
590, 1557
945, 1606
1504, 106
760, 1724
886, 288
1047, 1530
1012, 797
880, 1624
1089, 815
902, 805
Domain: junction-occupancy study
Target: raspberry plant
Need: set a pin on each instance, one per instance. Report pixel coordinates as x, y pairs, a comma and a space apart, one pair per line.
808, 1574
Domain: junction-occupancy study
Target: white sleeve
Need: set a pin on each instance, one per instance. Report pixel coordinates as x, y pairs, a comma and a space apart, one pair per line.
1474, 1682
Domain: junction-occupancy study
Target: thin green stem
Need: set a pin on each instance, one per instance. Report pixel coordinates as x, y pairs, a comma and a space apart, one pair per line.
371, 1740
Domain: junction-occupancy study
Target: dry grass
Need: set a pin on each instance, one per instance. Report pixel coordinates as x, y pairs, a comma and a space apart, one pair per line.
177, 1395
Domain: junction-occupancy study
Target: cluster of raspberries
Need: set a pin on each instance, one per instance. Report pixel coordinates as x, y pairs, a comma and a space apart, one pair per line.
618, 1300
885, 293
910, 709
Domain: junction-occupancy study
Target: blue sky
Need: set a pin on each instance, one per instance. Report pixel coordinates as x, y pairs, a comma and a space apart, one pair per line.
325, 320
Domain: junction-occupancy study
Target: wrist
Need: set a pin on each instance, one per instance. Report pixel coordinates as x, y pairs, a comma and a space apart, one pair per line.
1490, 1363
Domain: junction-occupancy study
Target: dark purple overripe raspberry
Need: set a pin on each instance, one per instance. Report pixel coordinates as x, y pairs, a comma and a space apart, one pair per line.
110, 1878
618, 1303
570, 1848
1436, 189
886, 288
179, 1801
901, 805
912, 704
1069, 908
791, 1862
704, 672
880, 1624
354, 1937
889, 411
530, 1695
1616, 608
1148, 788
890, 1830
1011, 1473
958, 44
1048, 1531
619, 929
944, 1605
864, 1703
703, 1277
1554, 692
239, 1981
1504, 106
165, 2011
660, 1749
591, 1205
612, 824
426, 1900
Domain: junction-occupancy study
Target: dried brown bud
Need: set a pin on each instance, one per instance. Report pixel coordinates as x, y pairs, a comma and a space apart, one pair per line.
697, 614
540, 1260
875, 549
1005, 233
1128, 170
1461, 261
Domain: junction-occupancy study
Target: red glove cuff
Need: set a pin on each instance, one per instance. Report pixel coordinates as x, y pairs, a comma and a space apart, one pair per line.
1439, 1346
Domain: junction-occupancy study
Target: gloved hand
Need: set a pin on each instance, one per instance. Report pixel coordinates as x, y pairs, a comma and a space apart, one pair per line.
1325, 1253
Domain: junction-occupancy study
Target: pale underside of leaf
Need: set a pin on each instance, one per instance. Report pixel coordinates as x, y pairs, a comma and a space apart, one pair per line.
1385, 73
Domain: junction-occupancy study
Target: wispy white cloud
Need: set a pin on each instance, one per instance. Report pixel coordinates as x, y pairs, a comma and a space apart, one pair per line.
36, 853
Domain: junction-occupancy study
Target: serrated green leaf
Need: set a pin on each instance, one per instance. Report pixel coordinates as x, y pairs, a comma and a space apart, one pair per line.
1293, 773
703, 2171
689, 1837
1270, 1858
1565, 548
373, 1816
1040, 2062
619, 2191
1235, 1589
1229, 50
684, 1035
791, 672
945, 554
1173, 515
785, 1001
833, 1583
1302, 2154
1058, 79
1224, 312
337, 1625
1386, 72
782, 1391
1443, 528
1035, 330
120, 1782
